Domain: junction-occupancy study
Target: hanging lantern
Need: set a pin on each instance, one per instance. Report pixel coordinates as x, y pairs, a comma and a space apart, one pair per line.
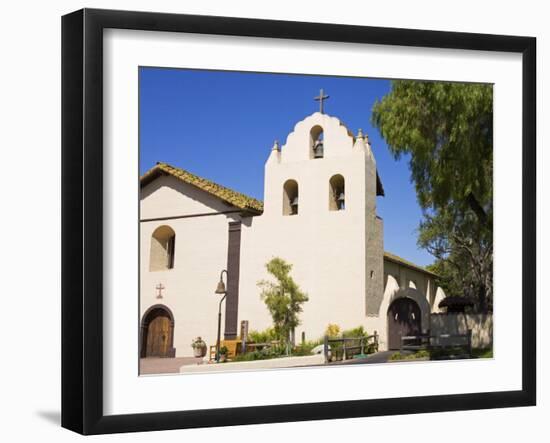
221, 287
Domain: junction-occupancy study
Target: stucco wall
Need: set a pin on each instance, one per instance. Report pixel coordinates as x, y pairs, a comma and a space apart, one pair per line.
326, 248
200, 255
480, 324
337, 256
167, 196
403, 281
407, 277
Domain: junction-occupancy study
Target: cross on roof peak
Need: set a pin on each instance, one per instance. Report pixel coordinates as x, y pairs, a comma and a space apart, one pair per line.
320, 99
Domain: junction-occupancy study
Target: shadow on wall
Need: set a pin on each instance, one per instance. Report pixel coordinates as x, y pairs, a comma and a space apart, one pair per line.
459, 323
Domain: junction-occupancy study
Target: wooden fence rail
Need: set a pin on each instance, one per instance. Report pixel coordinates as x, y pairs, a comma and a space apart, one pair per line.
427, 341
364, 343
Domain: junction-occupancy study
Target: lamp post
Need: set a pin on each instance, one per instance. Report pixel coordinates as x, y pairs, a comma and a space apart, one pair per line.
220, 290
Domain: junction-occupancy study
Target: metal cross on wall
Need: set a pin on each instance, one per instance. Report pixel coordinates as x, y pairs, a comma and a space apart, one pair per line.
320, 99
159, 288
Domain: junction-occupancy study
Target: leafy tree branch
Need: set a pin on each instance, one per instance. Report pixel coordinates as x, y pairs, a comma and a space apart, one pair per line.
283, 298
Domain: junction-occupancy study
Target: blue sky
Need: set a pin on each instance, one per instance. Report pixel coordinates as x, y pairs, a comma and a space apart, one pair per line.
221, 125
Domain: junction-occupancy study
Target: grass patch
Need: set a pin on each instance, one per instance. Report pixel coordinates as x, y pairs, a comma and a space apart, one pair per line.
448, 353
398, 356
441, 354
482, 353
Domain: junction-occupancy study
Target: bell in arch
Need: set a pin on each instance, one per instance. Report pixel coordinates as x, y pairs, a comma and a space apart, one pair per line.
341, 201
318, 149
294, 205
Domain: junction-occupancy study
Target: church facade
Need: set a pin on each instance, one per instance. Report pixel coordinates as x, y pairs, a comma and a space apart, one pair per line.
318, 214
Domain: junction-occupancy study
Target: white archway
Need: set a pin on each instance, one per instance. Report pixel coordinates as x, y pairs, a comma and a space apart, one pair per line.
393, 292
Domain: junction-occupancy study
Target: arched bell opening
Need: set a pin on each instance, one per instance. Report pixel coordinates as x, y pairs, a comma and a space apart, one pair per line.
337, 193
290, 198
317, 142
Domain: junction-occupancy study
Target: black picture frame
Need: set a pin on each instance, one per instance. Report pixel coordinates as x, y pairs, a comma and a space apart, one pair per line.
82, 218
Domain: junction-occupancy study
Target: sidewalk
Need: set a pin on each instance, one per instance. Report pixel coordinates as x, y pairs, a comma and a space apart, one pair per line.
154, 365
284, 362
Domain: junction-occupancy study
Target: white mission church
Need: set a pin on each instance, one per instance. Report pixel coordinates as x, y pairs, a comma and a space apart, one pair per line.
318, 213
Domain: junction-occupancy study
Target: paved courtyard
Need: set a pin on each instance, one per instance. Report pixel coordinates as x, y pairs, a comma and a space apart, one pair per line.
378, 357
154, 365
150, 366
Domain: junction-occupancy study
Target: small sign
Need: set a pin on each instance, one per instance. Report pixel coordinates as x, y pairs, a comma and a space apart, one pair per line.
244, 330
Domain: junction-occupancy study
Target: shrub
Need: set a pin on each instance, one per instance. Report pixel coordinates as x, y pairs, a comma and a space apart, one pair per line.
266, 336
263, 354
224, 350
332, 330
358, 332
198, 343
305, 348
355, 332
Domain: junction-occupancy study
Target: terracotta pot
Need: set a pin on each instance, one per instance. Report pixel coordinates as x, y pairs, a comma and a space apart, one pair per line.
199, 351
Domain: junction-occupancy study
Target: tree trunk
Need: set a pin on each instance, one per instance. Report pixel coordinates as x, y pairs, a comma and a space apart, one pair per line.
482, 297
477, 208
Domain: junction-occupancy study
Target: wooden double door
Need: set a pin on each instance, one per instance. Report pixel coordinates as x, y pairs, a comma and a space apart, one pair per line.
157, 333
403, 320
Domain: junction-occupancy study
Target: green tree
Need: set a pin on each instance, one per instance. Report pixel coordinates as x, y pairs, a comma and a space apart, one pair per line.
447, 129
463, 249
283, 298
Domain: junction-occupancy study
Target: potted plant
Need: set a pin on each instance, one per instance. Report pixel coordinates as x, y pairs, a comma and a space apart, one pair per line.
199, 347
223, 354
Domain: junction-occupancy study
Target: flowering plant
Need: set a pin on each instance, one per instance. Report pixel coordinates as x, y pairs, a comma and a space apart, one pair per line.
198, 343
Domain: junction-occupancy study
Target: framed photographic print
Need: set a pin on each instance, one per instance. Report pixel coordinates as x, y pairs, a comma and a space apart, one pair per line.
269, 221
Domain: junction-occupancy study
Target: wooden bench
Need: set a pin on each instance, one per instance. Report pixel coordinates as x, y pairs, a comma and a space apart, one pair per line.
212, 353
234, 347
442, 341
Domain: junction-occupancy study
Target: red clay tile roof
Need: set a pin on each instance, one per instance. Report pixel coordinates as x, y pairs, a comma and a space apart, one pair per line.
241, 201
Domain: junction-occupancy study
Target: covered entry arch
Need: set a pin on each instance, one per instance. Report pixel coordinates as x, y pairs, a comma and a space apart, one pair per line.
157, 332
403, 320
421, 311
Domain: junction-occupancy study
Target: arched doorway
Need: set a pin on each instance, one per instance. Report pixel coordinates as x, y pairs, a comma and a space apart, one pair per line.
403, 319
157, 333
